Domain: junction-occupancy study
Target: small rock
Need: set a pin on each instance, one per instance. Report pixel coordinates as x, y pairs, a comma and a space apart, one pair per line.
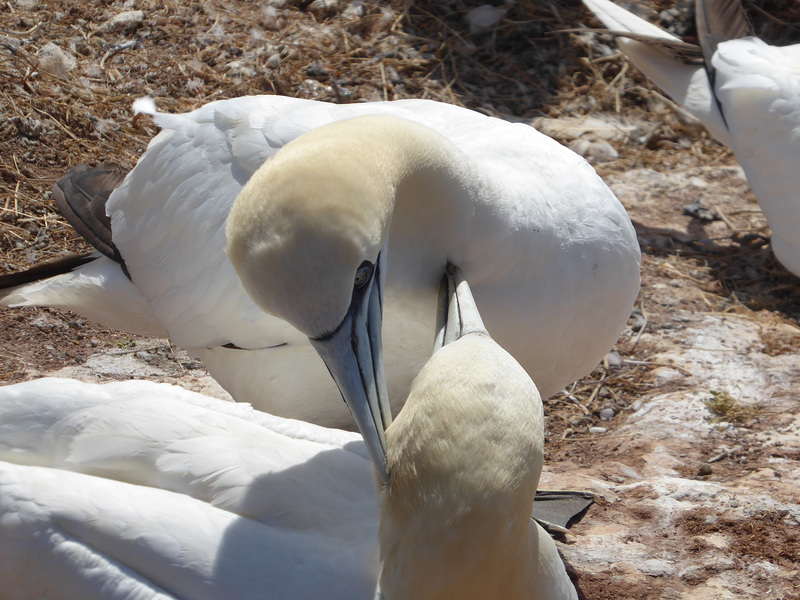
45, 323
602, 151
191, 365
698, 182
580, 146
594, 151
698, 210
606, 414
614, 359
273, 62
124, 20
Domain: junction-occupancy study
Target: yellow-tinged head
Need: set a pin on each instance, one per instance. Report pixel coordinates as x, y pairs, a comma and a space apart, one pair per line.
307, 236
464, 456
306, 222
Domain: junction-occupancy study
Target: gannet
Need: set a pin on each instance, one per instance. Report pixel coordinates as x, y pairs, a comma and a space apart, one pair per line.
746, 93
334, 198
143, 490
464, 457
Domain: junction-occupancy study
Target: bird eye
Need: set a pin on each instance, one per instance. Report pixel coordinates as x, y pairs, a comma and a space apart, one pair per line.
362, 275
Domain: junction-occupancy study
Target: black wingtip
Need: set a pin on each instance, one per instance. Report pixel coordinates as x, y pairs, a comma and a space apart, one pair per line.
719, 21
45, 270
81, 196
560, 508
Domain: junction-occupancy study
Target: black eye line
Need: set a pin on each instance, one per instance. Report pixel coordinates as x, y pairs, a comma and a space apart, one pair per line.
356, 299
377, 276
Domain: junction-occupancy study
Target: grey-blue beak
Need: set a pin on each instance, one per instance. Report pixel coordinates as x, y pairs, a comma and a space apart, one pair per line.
457, 312
354, 356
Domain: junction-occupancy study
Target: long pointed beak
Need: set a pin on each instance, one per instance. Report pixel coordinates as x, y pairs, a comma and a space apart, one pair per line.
354, 357
457, 314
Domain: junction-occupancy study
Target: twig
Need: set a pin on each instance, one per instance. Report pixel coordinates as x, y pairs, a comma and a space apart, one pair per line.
21, 33
57, 123
640, 333
116, 49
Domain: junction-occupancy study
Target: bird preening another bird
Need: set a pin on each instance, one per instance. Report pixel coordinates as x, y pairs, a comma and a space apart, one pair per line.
146, 490
745, 91
337, 218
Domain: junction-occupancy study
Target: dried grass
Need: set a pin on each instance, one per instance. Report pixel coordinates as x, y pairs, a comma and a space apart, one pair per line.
187, 53
58, 114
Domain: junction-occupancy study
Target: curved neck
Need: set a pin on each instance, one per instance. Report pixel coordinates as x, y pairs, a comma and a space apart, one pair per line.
465, 456
326, 202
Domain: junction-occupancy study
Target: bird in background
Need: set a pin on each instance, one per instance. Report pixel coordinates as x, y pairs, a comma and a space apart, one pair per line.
280, 240
745, 91
142, 490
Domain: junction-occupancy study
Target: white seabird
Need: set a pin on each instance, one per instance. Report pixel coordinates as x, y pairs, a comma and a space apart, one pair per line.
340, 192
142, 490
746, 93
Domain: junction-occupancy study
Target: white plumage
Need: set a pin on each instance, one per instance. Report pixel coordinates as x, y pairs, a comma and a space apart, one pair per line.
547, 247
142, 490
753, 107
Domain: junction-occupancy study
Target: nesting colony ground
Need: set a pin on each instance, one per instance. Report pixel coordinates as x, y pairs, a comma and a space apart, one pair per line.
689, 432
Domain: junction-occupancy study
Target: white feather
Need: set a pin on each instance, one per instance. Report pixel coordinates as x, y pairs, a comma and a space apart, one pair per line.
758, 88
138, 490
548, 247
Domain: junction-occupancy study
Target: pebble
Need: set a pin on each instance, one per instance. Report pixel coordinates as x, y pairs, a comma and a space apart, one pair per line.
123, 20
607, 413
614, 359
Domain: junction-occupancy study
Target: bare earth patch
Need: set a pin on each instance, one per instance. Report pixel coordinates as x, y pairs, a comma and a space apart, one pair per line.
689, 432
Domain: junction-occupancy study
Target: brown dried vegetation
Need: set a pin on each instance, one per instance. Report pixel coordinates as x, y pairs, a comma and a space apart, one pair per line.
69, 72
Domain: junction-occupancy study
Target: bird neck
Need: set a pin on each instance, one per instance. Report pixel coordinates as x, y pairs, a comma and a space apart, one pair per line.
464, 457
328, 201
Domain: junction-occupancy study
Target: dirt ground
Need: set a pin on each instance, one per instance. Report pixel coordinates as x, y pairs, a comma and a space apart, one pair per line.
689, 432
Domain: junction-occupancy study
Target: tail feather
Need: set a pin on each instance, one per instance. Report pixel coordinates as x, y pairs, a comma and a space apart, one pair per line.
44, 270
91, 285
678, 68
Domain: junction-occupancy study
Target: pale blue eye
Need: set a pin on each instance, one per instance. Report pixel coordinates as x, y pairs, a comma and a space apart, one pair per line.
362, 275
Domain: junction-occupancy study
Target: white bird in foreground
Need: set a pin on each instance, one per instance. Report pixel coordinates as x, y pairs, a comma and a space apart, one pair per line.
746, 93
142, 490
548, 249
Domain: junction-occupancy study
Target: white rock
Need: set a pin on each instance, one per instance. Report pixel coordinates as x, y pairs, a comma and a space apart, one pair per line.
123, 20
484, 16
